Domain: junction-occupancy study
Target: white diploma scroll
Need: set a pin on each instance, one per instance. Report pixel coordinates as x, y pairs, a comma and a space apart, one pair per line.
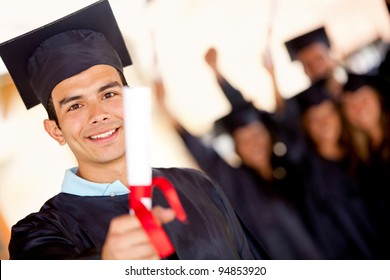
138, 121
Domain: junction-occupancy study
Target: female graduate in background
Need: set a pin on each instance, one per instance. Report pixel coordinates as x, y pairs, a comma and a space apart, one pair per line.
364, 104
335, 209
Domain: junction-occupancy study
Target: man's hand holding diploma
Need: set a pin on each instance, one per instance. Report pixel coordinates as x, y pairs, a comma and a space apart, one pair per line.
127, 239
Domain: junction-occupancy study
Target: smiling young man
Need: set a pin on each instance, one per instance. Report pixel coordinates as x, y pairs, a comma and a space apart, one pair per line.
74, 68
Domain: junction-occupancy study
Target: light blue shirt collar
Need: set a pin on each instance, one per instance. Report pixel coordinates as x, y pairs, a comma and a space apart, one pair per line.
73, 184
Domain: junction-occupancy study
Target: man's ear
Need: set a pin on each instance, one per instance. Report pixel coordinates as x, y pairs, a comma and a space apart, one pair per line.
54, 131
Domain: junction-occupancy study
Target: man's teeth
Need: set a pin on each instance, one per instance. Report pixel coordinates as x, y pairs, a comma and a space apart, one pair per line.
103, 135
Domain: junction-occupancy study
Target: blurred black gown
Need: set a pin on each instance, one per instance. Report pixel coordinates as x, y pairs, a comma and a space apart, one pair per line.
375, 185
335, 210
74, 227
266, 212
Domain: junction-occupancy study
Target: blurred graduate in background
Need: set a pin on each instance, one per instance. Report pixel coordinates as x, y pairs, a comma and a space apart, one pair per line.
264, 188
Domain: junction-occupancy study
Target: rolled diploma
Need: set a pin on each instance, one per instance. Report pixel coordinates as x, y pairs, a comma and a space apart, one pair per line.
138, 119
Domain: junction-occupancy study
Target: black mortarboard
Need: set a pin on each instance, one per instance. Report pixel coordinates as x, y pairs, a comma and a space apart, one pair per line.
384, 66
298, 43
241, 116
238, 117
313, 96
38, 60
242, 112
356, 81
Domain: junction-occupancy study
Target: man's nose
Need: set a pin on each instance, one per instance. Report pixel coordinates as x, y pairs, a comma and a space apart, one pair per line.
97, 114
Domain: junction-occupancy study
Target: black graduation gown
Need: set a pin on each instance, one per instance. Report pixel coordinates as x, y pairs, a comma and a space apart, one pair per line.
74, 227
375, 185
270, 218
335, 210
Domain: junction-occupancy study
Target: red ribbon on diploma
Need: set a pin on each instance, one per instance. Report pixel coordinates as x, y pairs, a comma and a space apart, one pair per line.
152, 227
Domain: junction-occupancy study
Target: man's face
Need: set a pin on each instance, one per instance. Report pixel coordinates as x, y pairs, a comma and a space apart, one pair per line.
253, 145
316, 60
90, 114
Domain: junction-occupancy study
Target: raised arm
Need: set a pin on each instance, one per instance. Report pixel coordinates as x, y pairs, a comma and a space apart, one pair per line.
268, 64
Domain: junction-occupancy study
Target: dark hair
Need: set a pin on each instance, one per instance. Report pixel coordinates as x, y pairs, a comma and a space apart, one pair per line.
51, 111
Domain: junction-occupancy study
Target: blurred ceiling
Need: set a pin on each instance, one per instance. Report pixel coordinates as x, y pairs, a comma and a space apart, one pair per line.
184, 29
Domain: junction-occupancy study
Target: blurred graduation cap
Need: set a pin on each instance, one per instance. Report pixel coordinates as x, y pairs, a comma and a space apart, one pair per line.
38, 60
298, 43
240, 116
356, 81
242, 113
384, 66
313, 96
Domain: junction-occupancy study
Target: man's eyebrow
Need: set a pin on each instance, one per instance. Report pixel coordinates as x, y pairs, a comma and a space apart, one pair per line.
69, 99
110, 85
75, 97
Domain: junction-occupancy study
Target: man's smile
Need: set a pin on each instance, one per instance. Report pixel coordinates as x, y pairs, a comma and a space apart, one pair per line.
103, 135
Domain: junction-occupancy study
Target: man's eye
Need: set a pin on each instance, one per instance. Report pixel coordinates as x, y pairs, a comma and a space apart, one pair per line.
108, 95
74, 107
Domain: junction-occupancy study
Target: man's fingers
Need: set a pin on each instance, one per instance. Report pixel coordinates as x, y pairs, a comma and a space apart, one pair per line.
163, 215
127, 239
124, 223
140, 251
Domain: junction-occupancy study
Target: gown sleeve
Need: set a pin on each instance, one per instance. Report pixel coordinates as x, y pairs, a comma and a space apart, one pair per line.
206, 157
46, 236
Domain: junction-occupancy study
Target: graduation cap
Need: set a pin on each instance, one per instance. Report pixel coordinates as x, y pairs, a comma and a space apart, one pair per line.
356, 81
313, 96
38, 60
298, 43
241, 116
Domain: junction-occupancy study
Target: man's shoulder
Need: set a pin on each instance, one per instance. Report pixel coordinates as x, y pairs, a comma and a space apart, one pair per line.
46, 210
179, 172
42, 218
52, 209
185, 177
